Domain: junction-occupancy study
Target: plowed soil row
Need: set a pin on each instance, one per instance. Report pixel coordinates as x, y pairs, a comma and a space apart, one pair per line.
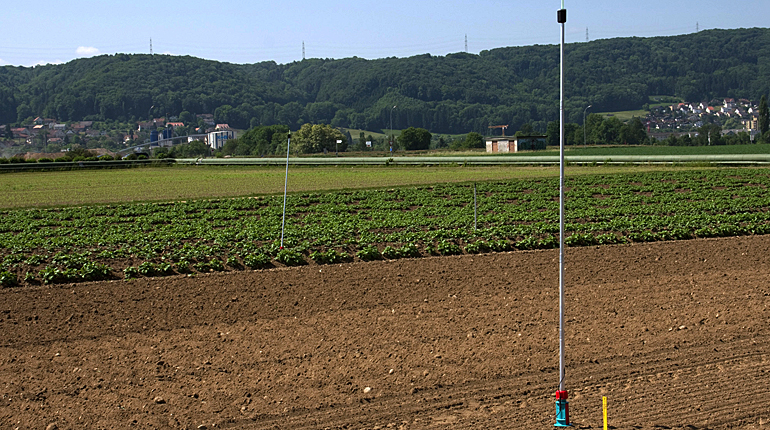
675, 335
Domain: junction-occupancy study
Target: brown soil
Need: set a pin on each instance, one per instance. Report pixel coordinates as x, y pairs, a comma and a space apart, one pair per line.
675, 335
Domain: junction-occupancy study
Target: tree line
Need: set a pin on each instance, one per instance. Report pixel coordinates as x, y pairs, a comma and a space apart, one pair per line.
456, 93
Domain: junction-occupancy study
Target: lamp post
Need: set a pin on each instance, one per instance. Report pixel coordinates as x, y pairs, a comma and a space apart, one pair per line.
562, 406
584, 126
391, 129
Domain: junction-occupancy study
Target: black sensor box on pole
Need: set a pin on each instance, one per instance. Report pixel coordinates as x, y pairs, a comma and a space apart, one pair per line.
561, 16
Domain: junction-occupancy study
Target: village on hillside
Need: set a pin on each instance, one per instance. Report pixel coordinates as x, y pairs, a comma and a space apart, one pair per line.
734, 116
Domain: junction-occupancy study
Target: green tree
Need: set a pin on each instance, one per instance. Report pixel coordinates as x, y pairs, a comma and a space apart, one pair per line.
472, 140
314, 138
188, 119
609, 130
413, 139
633, 133
526, 129
552, 133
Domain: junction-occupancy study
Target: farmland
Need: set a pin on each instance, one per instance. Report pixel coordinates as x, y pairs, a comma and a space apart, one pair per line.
87, 187
673, 332
74, 244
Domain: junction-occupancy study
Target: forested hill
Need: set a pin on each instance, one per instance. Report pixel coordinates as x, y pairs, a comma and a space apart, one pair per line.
456, 93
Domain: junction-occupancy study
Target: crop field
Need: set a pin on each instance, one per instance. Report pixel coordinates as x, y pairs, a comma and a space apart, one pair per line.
151, 184
670, 150
73, 244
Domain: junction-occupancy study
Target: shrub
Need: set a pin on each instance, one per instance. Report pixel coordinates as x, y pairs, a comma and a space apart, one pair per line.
477, 247
369, 253
390, 253
45, 160
95, 271
409, 251
131, 272
580, 239
549, 242
35, 260
445, 247
8, 279
183, 266
146, 268
499, 245
289, 257
233, 262
216, 265
256, 261
331, 256
54, 275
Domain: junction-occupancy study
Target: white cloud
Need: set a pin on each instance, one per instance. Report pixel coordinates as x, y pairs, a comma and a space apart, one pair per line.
87, 51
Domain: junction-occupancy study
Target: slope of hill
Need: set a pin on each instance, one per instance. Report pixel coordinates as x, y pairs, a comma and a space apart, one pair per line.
456, 93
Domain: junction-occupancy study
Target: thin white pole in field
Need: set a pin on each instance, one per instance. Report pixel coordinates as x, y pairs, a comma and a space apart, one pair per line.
285, 187
562, 411
561, 215
475, 208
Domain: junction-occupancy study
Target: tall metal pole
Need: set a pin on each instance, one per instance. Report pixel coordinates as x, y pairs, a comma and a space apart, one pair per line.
285, 186
562, 411
584, 125
475, 208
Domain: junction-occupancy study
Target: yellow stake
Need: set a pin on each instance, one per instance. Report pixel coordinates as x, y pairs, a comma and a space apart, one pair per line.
604, 410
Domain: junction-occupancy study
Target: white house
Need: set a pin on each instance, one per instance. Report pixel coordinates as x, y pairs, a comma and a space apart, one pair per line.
217, 139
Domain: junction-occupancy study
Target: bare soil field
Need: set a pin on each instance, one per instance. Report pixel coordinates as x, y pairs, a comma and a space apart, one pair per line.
674, 334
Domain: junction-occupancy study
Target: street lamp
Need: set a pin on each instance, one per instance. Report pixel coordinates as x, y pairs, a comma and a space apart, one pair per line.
391, 129
584, 125
562, 407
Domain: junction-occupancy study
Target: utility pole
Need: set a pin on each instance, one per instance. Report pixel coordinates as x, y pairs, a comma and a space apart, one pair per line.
151, 46
303, 49
466, 43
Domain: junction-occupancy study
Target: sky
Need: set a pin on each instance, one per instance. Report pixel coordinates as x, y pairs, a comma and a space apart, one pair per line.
240, 31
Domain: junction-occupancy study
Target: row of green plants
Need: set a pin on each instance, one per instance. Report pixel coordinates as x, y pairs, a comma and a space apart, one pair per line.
76, 244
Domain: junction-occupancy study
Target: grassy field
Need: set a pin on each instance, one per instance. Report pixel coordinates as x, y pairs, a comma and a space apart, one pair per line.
625, 115
670, 150
152, 184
